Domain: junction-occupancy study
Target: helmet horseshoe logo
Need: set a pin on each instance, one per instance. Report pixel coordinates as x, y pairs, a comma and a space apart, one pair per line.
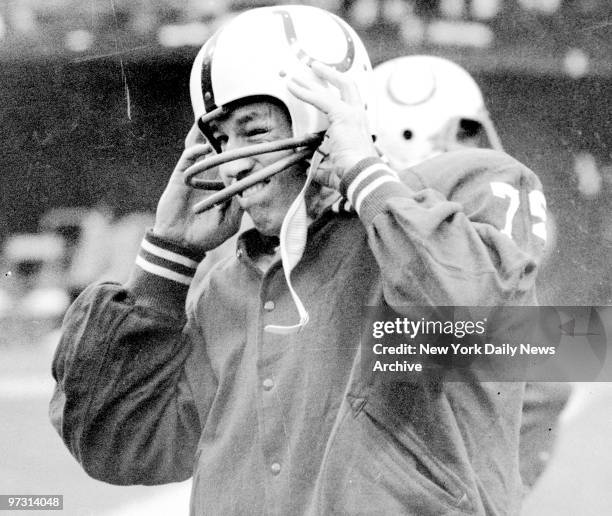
342, 66
410, 86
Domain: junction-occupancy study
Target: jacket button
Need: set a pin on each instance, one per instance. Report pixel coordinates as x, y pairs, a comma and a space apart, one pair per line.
275, 468
269, 306
268, 383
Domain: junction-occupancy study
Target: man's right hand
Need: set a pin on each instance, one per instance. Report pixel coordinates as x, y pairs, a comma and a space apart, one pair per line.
174, 218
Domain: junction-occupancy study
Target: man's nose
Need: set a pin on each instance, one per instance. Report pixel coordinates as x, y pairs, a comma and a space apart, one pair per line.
236, 168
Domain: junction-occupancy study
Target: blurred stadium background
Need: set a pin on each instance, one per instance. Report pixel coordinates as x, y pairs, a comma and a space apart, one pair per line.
94, 107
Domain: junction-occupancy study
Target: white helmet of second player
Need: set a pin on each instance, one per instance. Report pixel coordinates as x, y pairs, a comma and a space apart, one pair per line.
427, 105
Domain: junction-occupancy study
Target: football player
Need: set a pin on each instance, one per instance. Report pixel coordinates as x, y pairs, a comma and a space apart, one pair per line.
429, 105
257, 387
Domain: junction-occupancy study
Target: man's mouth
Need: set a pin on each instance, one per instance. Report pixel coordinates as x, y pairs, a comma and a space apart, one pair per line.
251, 190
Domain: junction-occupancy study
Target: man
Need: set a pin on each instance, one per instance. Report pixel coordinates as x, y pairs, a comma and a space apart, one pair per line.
428, 105
257, 389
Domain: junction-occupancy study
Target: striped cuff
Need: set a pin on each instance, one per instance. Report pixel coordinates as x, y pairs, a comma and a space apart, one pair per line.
164, 270
366, 185
167, 259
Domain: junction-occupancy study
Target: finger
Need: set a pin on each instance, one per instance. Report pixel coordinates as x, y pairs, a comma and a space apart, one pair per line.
309, 82
189, 158
194, 152
304, 92
325, 175
194, 136
347, 87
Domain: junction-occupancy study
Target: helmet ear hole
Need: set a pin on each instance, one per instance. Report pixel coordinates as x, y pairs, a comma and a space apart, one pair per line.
469, 128
471, 133
407, 134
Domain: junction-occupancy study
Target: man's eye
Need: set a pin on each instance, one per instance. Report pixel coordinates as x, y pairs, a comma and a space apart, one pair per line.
256, 132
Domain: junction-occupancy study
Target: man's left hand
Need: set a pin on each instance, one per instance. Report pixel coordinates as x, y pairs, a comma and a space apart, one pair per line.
348, 139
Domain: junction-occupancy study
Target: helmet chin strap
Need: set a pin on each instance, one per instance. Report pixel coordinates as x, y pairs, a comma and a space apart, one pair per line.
294, 230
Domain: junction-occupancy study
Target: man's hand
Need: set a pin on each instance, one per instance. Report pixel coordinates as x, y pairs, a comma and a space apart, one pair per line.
175, 220
348, 139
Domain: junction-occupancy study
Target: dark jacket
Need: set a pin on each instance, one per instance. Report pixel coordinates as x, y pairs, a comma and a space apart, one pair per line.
292, 424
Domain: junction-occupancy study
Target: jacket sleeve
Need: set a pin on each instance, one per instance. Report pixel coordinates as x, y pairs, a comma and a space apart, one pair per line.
449, 244
123, 402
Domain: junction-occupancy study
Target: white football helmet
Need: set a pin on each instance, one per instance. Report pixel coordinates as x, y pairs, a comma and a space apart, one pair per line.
428, 105
254, 55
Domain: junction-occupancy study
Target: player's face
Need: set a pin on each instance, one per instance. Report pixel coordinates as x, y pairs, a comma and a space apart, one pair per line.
266, 202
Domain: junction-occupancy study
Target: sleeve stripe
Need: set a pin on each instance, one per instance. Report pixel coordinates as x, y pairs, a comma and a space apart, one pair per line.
168, 255
363, 175
163, 272
371, 174
371, 187
342, 205
166, 264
